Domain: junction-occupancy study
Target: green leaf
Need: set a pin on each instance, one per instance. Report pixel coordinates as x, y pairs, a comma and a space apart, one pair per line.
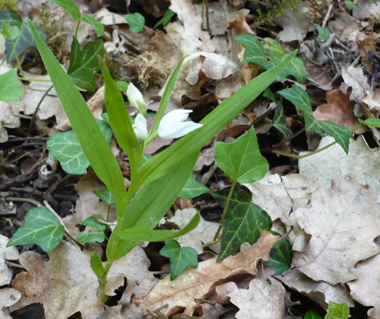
93, 237
40, 227
99, 28
120, 121
10, 17
371, 123
340, 133
310, 314
273, 49
136, 21
180, 258
243, 221
294, 68
149, 205
105, 195
151, 235
351, 5
169, 14
193, 189
23, 42
94, 145
301, 101
91, 222
70, 7
69, 152
9, 32
281, 256
270, 95
213, 123
241, 160
279, 122
122, 85
337, 311
323, 33
97, 267
254, 50
10, 90
82, 63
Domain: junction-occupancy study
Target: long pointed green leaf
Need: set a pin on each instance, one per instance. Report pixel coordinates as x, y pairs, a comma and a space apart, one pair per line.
120, 122
144, 234
149, 205
84, 124
214, 122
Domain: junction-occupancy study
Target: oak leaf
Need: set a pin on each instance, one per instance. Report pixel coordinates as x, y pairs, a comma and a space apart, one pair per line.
343, 222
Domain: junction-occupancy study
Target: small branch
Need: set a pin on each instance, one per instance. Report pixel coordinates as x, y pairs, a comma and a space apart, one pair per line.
37, 108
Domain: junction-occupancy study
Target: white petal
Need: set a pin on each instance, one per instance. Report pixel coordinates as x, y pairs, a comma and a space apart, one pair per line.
177, 130
140, 127
135, 98
175, 116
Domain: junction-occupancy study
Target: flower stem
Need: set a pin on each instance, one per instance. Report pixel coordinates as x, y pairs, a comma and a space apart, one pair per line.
17, 59
32, 80
77, 28
225, 210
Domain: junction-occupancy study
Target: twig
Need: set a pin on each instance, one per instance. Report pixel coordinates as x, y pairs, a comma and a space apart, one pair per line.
327, 15
37, 108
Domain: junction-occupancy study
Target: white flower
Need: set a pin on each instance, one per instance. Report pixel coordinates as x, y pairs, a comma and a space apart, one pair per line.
140, 127
172, 124
136, 99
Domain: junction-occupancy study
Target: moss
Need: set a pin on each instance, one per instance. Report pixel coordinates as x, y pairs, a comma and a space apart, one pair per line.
9, 4
274, 9
55, 35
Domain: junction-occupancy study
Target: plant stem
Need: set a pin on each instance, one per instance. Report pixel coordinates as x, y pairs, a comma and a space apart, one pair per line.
77, 28
150, 138
32, 80
314, 152
17, 59
210, 243
102, 283
225, 210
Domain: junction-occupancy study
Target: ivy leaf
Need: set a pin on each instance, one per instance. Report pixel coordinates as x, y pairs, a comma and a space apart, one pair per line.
70, 7
351, 5
254, 50
310, 314
23, 42
241, 160
169, 14
323, 33
9, 32
67, 150
280, 256
193, 189
301, 101
340, 133
10, 90
279, 122
82, 63
180, 258
294, 68
243, 221
91, 222
136, 21
105, 195
40, 227
337, 311
99, 28
273, 49
10, 17
93, 237
371, 123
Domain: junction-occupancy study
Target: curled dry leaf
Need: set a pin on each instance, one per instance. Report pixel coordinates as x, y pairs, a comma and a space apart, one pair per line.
261, 300
365, 289
64, 285
6, 253
8, 297
196, 283
319, 291
343, 222
339, 109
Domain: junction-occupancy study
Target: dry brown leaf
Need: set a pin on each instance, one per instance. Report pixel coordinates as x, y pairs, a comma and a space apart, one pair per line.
6, 253
64, 285
343, 222
365, 289
319, 291
8, 297
366, 10
261, 300
355, 78
339, 109
195, 283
